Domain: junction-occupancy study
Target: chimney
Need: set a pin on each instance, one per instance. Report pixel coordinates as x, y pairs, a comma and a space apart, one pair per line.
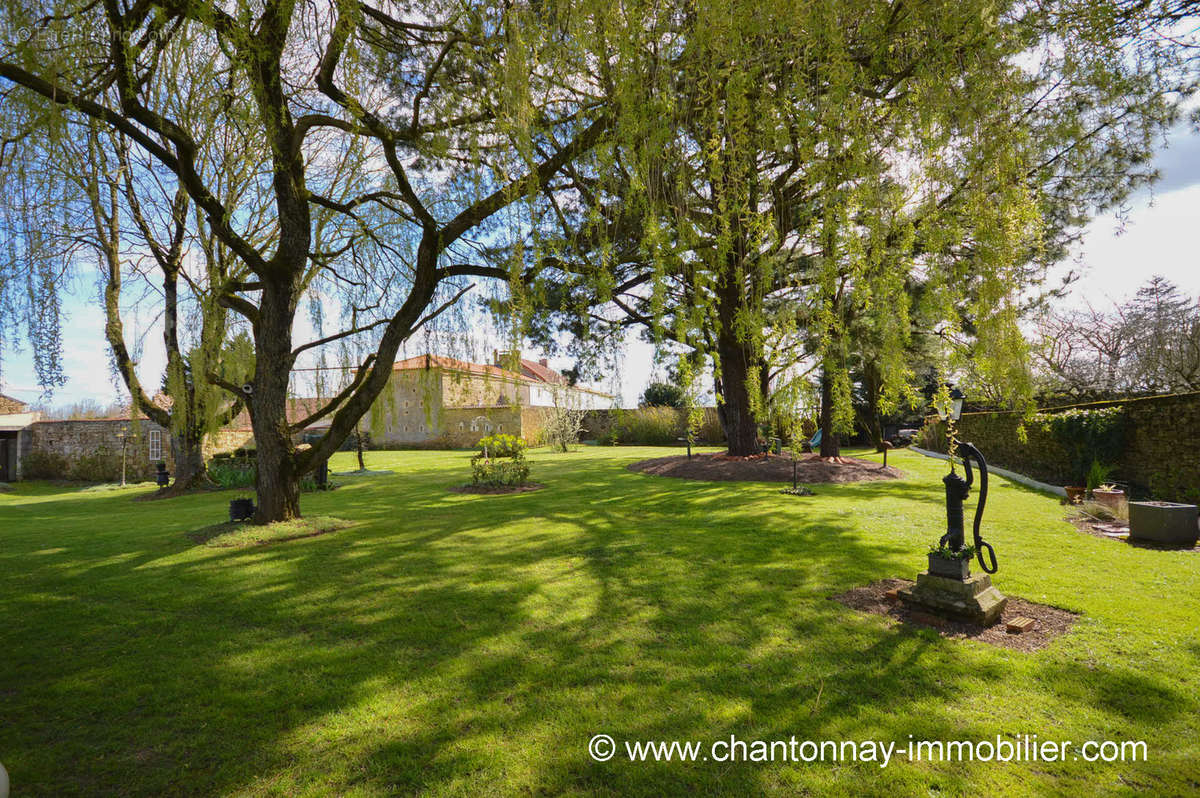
544, 363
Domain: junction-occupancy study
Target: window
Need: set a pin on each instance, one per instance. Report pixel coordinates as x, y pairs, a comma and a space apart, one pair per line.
156, 449
499, 428
461, 425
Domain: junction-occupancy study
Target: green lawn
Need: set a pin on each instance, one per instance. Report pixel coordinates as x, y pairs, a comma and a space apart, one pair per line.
464, 644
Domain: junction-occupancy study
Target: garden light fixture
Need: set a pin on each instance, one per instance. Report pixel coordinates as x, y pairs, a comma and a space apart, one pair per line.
956, 403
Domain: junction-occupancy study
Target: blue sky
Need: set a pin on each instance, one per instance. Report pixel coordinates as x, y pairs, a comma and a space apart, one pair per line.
1159, 235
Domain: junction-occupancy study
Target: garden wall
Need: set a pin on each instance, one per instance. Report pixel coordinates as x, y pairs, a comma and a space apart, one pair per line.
1159, 458
90, 450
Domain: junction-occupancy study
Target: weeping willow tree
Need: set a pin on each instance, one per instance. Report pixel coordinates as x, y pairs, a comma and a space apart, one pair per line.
784, 172
108, 214
391, 136
130, 212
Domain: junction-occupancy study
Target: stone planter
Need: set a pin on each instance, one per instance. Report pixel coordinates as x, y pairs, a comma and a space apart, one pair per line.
950, 569
1075, 493
1164, 522
1108, 498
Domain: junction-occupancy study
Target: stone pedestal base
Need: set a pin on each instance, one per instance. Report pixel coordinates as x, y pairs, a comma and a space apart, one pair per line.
973, 599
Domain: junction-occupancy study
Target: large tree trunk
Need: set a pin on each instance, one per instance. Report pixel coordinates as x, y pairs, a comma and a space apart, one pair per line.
737, 356
741, 426
830, 445
187, 450
278, 480
869, 418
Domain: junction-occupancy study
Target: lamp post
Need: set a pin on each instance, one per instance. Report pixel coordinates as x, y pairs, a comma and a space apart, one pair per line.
123, 437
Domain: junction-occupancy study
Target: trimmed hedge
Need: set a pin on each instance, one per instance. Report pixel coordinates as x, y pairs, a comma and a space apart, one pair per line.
649, 426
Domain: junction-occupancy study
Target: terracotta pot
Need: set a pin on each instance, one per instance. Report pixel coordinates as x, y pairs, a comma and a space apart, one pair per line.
1109, 498
1075, 493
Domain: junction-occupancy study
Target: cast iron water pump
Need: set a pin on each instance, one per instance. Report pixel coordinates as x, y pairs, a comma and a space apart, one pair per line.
957, 490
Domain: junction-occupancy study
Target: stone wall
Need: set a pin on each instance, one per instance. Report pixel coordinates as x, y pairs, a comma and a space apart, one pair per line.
10, 405
227, 440
462, 427
1160, 457
90, 449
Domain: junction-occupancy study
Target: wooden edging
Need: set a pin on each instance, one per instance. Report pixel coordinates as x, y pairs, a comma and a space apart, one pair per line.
1021, 479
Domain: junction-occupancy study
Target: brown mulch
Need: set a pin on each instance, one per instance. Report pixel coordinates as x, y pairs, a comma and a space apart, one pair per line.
490, 490
766, 468
1050, 622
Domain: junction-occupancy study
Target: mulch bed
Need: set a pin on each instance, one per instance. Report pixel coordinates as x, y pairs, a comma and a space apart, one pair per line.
1050, 622
765, 468
491, 490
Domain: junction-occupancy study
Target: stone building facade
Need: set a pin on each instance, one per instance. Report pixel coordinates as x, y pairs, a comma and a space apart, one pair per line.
15, 442
430, 402
97, 449
440, 401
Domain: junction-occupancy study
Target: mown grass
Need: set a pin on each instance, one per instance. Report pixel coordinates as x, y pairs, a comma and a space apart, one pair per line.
469, 645
236, 534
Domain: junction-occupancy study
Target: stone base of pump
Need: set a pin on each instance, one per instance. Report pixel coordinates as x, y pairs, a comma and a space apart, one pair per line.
973, 599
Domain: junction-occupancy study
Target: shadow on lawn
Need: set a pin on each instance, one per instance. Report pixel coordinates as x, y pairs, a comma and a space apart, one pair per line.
483, 635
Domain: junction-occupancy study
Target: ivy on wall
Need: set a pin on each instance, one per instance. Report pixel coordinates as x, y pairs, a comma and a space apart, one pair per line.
1088, 435
1151, 441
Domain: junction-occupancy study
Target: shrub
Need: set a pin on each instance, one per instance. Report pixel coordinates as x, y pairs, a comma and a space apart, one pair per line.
44, 465
232, 473
662, 394
649, 426
502, 445
711, 430
500, 462
104, 465
503, 471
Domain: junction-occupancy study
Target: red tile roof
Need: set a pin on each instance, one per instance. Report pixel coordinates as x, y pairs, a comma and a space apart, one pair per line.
537, 371
452, 364
297, 410
530, 369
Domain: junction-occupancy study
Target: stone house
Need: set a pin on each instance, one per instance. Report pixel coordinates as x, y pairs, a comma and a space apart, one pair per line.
431, 401
98, 442
15, 439
442, 401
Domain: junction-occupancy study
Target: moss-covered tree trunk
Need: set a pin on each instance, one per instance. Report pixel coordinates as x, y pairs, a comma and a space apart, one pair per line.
737, 358
830, 445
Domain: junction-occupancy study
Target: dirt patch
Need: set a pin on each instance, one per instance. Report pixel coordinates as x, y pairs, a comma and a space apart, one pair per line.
766, 468
1049, 622
493, 490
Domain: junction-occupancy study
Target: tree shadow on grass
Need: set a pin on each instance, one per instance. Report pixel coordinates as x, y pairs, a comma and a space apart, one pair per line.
452, 642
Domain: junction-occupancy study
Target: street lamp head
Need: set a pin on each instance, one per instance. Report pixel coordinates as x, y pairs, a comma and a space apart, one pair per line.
956, 403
